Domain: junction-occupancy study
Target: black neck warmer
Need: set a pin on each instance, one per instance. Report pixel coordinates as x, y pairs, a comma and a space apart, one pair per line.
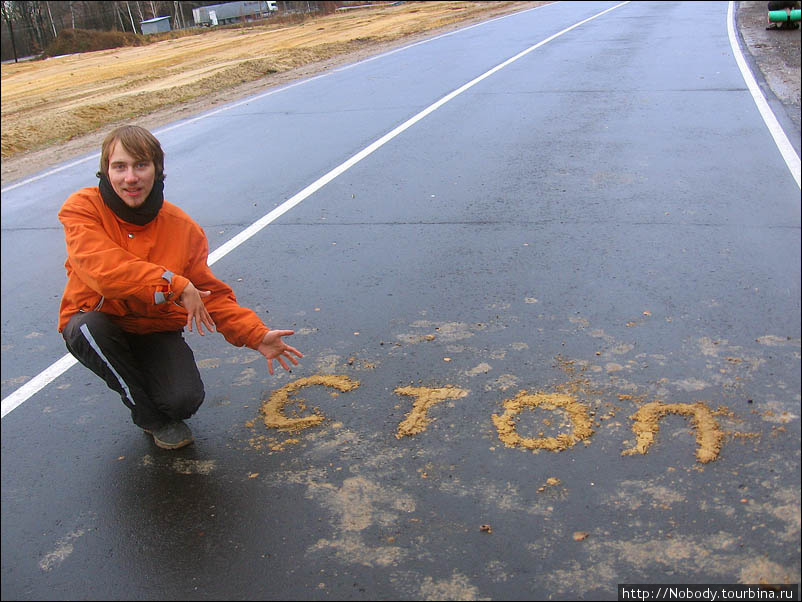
142, 215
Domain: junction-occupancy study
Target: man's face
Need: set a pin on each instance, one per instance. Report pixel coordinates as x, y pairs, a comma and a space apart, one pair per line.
132, 179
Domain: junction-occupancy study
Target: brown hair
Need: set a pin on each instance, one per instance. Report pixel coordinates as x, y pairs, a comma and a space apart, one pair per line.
138, 142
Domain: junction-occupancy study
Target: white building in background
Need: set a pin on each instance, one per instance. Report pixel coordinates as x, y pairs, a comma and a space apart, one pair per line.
157, 25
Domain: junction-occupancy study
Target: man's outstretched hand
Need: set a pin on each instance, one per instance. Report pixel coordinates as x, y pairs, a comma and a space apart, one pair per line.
273, 348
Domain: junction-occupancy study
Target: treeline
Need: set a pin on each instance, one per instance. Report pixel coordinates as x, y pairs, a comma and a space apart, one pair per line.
29, 27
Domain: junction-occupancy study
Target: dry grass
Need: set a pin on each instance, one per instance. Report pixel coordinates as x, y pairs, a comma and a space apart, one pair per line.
50, 101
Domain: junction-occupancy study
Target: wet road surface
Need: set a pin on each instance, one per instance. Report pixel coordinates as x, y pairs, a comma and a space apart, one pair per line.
604, 224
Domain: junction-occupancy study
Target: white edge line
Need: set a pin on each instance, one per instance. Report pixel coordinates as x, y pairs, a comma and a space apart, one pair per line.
269, 93
65, 363
38, 382
780, 139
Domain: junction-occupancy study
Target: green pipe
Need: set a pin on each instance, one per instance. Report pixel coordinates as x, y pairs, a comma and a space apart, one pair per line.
780, 16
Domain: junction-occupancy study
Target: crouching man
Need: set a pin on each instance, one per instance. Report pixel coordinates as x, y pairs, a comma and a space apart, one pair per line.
137, 274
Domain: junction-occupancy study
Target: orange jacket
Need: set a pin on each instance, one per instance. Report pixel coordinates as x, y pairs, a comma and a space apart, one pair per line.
134, 273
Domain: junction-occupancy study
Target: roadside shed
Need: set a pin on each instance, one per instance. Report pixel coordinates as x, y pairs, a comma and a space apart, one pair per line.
157, 25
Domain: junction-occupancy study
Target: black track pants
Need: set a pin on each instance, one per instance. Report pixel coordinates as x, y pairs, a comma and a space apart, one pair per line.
155, 374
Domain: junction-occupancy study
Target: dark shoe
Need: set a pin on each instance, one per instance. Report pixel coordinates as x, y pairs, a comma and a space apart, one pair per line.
172, 435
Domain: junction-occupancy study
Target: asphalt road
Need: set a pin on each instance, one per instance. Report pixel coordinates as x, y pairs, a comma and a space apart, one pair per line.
606, 217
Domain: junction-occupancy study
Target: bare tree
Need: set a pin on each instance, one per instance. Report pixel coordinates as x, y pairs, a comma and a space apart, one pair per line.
26, 13
119, 15
39, 16
52, 24
133, 27
6, 9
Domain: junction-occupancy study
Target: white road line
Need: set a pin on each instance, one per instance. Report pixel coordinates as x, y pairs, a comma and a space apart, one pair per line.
37, 383
780, 139
65, 363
